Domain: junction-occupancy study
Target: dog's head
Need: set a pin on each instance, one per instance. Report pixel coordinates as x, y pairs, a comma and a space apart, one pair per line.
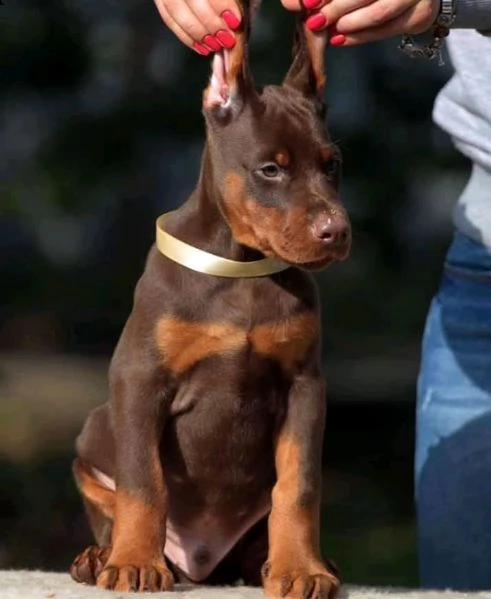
275, 165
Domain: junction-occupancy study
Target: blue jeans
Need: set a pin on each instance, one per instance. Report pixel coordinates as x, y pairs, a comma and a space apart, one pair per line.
453, 432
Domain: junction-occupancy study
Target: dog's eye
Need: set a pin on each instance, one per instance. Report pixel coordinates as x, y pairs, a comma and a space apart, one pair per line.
270, 170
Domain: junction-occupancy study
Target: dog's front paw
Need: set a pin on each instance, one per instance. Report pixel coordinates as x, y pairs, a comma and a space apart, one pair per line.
299, 581
89, 564
128, 577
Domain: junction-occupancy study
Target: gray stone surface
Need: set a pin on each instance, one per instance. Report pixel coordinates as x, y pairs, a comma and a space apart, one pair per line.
21, 584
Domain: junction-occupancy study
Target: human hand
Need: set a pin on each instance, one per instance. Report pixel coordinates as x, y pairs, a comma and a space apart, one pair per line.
204, 25
352, 22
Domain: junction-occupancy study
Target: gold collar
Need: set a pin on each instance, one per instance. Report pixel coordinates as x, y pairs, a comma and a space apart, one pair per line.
210, 264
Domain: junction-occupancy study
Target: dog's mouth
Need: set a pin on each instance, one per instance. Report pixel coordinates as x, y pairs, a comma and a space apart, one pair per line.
317, 264
299, 249
313, 263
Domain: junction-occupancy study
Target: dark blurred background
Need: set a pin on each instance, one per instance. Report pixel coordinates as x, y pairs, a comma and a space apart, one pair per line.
101, 131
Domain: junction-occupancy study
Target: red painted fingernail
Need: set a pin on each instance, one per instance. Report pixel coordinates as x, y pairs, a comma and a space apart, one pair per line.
316, 22
200, 49
225, 38
337, 40
211, 42
311, 3
231, 19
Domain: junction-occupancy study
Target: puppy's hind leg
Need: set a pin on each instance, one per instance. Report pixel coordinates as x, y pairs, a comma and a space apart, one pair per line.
99, 504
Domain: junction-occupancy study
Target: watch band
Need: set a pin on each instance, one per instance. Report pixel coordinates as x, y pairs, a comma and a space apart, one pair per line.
439, 31
447, 14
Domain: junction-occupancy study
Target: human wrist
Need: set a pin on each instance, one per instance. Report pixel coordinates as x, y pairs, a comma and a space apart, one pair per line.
444, 17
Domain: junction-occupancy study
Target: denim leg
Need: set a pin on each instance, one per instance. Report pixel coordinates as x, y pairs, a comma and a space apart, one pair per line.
453, 425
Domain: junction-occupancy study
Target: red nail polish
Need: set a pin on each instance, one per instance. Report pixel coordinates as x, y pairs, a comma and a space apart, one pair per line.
225, 38
311, 3
231, 20
212, 43
200, 49
316, 22
337, 40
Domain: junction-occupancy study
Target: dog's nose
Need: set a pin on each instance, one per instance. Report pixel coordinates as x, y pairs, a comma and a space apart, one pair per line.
330, 230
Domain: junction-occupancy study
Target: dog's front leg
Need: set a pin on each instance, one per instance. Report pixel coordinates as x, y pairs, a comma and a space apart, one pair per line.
136, 561
295, 567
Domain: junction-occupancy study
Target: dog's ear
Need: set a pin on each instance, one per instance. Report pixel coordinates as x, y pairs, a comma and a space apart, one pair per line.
306, 73
231, 80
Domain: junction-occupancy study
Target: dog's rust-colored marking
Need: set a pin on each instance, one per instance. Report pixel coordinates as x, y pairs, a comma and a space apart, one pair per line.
292, 526
282, 158
139, 520
284, 234
294, 565
136, 561
104, 499
251, 223
286, 341
183, 344
135, 538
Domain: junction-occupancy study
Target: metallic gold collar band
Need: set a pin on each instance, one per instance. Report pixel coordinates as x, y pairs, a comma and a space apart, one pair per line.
210, 264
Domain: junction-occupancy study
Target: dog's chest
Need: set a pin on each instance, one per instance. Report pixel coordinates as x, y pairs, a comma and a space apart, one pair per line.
285, 341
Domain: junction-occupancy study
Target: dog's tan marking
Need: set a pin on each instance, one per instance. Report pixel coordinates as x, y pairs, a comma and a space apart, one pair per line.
136, 560
139, 521
283, 234
184, 344
286, 341
135, 536
282, 158
294, 559
94, 490
287, 504
181, 543
250, 222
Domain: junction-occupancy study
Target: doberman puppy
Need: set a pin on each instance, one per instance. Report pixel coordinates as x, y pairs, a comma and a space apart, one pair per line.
205, 463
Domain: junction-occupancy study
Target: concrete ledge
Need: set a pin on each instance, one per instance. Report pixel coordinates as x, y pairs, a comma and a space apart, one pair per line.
22, 584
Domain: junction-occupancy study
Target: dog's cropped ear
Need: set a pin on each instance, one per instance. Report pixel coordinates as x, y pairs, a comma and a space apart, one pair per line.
306, 73
231, 80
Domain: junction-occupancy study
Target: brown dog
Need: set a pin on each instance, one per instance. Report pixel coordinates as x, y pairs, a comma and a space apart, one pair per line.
205, 464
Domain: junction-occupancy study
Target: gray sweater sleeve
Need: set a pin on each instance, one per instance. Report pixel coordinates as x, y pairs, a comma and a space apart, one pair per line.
473, 14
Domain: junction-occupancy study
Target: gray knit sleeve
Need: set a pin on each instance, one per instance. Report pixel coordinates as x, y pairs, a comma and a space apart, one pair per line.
474, 14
